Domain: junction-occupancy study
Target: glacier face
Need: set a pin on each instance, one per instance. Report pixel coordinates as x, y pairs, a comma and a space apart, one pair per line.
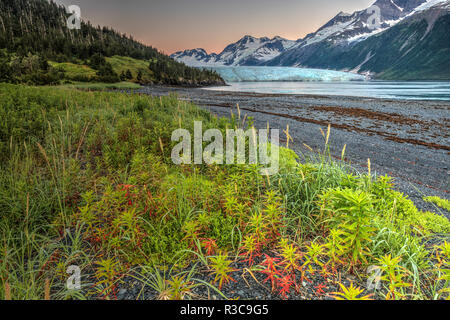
261, 74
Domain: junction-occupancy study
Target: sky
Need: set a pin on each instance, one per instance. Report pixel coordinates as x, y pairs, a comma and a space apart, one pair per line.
174, 25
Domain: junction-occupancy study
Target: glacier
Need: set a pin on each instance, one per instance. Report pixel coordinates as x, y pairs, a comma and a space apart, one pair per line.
262, 74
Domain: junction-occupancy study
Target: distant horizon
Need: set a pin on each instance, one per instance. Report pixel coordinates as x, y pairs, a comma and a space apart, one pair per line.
178, 25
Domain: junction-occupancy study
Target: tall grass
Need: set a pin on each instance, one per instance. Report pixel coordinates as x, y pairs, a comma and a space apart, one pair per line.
86, 179
55, 145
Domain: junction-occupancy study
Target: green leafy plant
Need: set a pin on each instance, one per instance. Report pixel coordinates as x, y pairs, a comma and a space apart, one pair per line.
351, 212
335, 246
178, 288
251, 249
350, 293
107, 274
221, 269
394, 275
443, 257
313, 252
442, 203
290, 256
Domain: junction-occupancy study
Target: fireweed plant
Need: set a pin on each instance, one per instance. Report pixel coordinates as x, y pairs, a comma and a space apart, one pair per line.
86, 180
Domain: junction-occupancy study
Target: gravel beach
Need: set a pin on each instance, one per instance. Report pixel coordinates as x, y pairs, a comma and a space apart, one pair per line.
408, 140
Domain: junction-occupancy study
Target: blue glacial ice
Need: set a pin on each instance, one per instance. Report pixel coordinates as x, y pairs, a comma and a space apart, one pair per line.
260, 74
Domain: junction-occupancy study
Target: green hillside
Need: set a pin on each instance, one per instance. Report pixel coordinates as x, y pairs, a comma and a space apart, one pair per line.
120, 65
417, 48
410, 51
33, 32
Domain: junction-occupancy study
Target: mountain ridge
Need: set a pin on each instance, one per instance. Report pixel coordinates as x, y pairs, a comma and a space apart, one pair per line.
348, 32
248, 50
415, 48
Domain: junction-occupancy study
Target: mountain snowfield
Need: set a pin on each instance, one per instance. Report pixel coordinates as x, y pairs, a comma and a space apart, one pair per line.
247, 50
430, 3
343, 34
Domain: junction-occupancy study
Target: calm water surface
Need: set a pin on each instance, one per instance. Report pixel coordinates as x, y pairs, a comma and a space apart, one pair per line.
429, 90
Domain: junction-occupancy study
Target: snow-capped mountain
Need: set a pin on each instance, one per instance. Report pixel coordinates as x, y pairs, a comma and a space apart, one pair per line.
346, 29
346, 43
250, 51
410, 42
362, 24
415, 48
195, 57
247, 51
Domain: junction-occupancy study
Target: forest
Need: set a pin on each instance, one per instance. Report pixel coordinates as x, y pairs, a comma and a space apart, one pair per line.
34, 32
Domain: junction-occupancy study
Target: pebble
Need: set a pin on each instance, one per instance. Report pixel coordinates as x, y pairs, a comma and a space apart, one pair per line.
121, 294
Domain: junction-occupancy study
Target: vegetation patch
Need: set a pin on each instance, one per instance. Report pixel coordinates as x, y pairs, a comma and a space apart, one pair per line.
35, 32
75, 72
132, 68
441, 203
87, 180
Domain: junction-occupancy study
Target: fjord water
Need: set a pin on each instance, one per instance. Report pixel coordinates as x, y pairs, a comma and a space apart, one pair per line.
288, 80
429, 90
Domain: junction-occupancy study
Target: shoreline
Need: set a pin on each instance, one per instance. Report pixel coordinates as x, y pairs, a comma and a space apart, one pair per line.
421, 91
312, 96
406, 139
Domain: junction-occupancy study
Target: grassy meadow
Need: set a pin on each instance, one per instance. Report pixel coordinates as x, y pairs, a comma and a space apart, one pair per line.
86, 179
122, 64
81, 74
